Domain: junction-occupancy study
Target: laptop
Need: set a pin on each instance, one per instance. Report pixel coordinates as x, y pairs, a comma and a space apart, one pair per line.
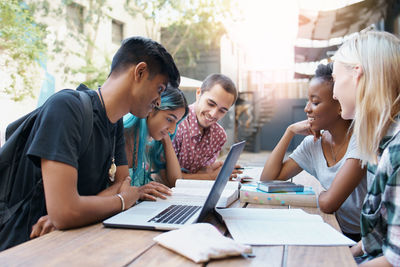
163, 215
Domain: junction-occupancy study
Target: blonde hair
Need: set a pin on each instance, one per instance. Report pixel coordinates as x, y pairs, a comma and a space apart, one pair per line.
377, 98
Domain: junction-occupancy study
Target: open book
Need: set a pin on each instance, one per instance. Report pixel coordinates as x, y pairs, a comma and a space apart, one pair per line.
250, 173
191, 191
280, 227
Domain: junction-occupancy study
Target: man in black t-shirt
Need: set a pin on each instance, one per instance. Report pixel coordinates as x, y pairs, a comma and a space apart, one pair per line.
68, 187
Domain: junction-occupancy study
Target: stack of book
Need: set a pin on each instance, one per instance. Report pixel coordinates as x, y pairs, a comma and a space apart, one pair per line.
250, 193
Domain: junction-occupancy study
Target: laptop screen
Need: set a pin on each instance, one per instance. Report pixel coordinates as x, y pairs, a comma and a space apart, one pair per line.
221, 180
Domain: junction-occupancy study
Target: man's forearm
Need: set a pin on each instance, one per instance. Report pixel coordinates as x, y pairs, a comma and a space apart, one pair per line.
111, 190
197, 176
379, 261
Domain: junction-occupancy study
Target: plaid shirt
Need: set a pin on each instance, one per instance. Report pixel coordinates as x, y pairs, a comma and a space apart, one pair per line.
380, 215
194, 149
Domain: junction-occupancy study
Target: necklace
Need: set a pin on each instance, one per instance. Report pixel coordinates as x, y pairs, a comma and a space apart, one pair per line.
337, 151
113, 167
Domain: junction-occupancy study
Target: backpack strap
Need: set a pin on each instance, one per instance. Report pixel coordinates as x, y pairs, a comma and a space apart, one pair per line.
87, 121
7, 153
12, 127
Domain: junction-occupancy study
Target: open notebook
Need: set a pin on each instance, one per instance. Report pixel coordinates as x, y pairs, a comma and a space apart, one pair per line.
281, 227
198, 190
250, 174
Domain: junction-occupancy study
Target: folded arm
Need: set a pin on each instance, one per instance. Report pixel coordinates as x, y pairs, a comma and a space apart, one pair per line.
377, 262
277, 169
206, 173
344, 183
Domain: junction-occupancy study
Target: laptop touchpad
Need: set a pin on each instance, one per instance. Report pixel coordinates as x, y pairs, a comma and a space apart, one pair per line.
148, 208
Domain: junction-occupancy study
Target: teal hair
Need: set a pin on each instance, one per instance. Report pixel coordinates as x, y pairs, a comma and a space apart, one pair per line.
172, 98
133, 127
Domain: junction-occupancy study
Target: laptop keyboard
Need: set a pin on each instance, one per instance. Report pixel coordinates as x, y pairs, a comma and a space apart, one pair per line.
176, 214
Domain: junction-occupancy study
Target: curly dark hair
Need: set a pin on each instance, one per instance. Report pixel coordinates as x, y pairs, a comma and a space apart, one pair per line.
324, 72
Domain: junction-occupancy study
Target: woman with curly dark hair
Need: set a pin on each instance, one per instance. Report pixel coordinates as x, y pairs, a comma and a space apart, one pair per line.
328, 153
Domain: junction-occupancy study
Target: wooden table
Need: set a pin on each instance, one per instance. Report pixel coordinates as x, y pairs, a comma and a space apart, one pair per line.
96, 245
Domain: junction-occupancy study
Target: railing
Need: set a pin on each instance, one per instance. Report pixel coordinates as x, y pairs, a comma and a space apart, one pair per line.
252, 111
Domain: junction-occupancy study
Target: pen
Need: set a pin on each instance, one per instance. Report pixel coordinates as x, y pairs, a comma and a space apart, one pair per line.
184, 170
242, 168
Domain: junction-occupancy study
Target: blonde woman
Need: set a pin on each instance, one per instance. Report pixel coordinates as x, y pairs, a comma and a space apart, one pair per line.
367, 84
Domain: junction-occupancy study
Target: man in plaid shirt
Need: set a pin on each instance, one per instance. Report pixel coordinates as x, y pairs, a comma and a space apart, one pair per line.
199, 138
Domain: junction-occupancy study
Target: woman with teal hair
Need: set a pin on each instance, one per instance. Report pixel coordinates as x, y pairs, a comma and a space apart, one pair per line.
148, 146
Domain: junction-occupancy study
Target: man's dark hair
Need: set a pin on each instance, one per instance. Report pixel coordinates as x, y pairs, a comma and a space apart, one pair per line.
222, 80
138, 49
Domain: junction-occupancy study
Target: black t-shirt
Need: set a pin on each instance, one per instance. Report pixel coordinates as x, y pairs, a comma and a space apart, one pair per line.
56, 135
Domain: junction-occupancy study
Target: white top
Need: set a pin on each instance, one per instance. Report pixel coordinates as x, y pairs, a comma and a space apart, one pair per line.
309, 156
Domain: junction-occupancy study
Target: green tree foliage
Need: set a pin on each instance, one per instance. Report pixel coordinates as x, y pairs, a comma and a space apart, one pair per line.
187, 26
21, 46
82, 33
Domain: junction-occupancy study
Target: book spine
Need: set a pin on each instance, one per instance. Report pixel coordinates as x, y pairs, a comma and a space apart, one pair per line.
278, 199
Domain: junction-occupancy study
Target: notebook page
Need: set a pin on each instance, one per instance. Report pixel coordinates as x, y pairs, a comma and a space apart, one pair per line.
281, 227
187, 183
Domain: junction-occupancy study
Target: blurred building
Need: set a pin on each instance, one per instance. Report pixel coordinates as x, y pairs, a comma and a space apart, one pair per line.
90, 31
272, 99
322, 32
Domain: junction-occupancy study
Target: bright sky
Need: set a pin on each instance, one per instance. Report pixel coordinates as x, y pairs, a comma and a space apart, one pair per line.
267, 33
269, 29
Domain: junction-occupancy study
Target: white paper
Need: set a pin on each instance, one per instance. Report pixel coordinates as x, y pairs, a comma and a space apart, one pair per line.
251, 173
187, 183
281, 227
195, 192
200, 192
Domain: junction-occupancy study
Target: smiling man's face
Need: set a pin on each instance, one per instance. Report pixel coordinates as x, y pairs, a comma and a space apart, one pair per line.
212, 105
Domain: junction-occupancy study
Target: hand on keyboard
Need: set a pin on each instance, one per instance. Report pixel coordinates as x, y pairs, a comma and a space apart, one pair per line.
153, 190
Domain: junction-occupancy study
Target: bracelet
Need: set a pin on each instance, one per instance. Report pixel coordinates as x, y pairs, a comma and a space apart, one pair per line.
122, 201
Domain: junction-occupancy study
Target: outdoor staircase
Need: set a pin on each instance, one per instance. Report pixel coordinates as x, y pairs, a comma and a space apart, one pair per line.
261, 109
